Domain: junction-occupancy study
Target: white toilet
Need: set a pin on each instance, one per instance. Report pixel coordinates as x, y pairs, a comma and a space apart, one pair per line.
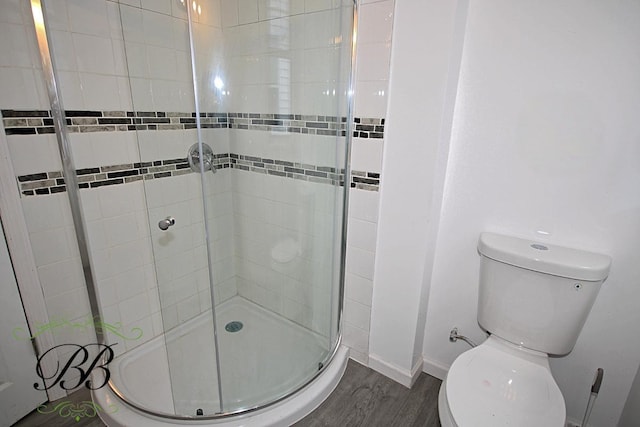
534, 299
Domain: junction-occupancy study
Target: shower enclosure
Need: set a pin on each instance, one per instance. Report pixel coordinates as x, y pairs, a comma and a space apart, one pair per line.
227, 271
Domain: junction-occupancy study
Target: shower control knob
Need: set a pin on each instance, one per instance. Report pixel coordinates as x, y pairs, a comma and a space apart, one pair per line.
164, 224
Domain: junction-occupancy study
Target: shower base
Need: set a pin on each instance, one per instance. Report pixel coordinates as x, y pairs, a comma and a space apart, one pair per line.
175, 373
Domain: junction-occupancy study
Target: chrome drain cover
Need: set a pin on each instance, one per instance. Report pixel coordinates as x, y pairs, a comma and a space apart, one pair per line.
234, 326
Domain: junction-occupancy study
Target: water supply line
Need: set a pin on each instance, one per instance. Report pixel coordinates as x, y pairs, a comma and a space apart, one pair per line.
454, 336
595, 389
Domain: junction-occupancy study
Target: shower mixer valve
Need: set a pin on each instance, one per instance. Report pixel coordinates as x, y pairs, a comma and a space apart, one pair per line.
207, 158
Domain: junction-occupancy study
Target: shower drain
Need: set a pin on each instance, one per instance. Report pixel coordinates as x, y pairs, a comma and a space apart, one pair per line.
234, 326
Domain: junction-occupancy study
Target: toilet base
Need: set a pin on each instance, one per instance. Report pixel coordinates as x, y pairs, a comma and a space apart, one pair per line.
446, 419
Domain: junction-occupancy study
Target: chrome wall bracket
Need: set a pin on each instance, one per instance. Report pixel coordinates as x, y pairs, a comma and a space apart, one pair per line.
207, 158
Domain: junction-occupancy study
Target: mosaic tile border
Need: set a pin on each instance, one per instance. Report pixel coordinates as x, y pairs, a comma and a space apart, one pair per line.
38, 122
53, 182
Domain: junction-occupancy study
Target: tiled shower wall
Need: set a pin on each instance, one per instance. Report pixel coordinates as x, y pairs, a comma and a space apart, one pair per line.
371, 86
90, 51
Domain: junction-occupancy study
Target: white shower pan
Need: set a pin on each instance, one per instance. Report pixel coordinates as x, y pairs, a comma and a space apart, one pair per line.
175, 372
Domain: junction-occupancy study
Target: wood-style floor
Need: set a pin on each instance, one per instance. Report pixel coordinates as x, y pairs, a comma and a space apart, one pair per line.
363, 398
366, 398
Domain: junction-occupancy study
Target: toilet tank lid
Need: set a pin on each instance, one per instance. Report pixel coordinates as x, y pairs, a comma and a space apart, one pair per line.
545, 258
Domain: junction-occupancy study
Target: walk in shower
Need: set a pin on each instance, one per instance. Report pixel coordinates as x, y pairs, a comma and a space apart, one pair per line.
213, 194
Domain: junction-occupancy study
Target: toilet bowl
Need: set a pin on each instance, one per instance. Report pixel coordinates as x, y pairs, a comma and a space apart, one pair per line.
501, 384
533, 301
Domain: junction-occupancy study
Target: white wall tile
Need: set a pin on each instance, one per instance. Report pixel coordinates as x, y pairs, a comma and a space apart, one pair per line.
162, 63
14, 47
269, 9
100, 91
129, 284
229, 10
44, 213
320, 29
358, 289
373, 61
94, 54
132, 24
11, 12
356, 314
62, 50
364, 205
355, 338
317, 5
135, 3
362, 234
161, 6
141, 94
71, 90
366, 154
375, 22
211, 13
61, 277
371, 98
89, 17
180, 30
124, 91
70, 305
119, 58
134, 308
360, 262
157, 29
115, 24
119, 200
188, 308
22, 148
247, 11
106, 292
22, 88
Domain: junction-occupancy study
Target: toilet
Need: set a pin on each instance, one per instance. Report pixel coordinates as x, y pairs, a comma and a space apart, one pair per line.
533, 301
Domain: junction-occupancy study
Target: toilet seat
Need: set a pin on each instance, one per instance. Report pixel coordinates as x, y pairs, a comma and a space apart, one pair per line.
500, 384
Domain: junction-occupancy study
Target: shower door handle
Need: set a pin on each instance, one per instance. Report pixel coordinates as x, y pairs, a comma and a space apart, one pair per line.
164, 224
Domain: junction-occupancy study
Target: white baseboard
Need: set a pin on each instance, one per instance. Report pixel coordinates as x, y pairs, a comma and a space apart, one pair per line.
434, 369
399, 375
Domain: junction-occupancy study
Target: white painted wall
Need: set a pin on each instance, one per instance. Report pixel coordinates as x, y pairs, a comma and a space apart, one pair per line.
419, 102
545, 145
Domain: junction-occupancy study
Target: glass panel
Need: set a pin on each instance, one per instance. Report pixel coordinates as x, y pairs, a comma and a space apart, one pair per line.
159, 66
273, 84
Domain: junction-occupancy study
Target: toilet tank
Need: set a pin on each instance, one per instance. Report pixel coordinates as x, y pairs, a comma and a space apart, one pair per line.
535, 294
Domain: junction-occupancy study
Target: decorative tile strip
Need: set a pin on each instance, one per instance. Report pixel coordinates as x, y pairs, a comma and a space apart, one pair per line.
53, 182
300, 171
36, 122
368, 128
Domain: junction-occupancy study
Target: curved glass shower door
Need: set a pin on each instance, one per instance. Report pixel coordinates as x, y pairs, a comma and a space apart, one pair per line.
247, 236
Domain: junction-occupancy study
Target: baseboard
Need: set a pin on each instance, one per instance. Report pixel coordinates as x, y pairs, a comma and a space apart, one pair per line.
434, 369
399, 375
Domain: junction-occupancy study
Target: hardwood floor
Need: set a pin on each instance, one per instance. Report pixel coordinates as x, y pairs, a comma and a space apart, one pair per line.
367, 398
363, 398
